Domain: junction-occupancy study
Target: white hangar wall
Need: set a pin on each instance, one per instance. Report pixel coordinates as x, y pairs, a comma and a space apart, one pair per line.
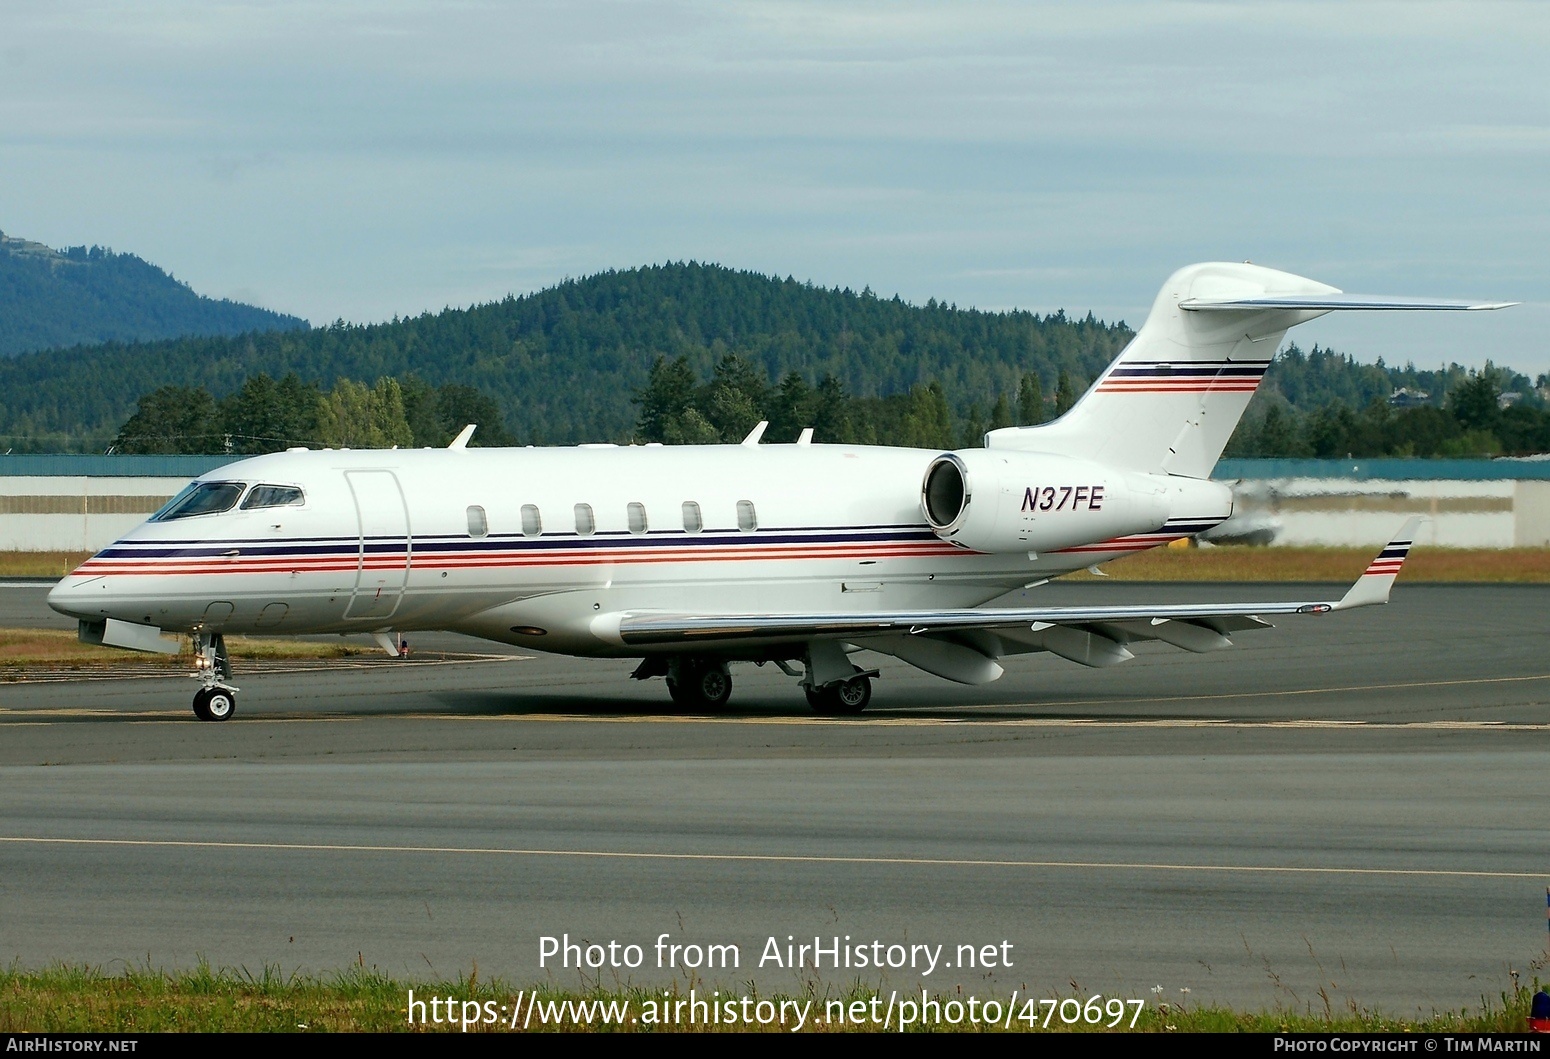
84, 503
1467, 503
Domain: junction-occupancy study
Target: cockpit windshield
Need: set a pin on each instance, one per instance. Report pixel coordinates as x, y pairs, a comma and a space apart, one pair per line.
201, 498
273, 496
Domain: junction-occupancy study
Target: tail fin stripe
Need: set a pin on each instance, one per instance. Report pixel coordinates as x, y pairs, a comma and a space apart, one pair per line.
1194, 367
1207, 388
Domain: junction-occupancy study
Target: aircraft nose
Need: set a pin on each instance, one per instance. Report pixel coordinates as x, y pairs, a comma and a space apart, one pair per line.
72, 596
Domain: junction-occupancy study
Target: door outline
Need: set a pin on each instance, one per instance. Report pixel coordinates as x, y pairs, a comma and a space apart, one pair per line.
382, 523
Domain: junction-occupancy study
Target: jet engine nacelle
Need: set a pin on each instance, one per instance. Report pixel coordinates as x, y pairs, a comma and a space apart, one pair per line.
1001, 501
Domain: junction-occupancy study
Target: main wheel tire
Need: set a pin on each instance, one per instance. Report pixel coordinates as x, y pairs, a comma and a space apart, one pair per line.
700, 685
214, 704
713, 687
845, 699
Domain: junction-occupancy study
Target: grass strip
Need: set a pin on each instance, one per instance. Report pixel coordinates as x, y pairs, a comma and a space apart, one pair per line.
1247, 563
54, 647
89, 1000
40, 564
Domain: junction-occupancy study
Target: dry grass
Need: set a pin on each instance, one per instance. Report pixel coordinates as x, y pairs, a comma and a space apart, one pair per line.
1246, 563
31, 647
40, 564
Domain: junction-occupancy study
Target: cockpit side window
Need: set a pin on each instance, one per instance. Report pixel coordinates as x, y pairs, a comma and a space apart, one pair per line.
201, 498
273, 496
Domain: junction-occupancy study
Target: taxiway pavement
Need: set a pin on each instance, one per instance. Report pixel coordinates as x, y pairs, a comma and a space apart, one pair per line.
1351, 803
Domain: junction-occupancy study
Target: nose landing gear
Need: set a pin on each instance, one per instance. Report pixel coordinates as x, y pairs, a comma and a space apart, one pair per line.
217, 699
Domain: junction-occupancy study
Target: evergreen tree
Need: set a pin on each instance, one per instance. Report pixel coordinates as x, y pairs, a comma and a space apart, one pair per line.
974, 432
1030, 400
735, 399
668, 395
265, 416
422, 411
1278, 435
831, 416
691, 428
1001, 414
928, 424
1473, 401
790, 408
1065, 394
172, 419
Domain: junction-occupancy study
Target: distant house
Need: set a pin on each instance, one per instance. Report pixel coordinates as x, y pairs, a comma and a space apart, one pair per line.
1405, 397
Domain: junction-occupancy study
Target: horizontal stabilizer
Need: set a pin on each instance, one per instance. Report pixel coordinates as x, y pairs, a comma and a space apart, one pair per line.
1331, 302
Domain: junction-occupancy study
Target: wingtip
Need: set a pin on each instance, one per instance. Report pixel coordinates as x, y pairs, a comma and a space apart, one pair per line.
1373, 586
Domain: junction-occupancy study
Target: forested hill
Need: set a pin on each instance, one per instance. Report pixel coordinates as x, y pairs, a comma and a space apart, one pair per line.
565, 363
575, 363
80, 296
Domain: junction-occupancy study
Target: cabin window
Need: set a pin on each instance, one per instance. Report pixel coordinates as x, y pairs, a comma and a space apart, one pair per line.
693, 520
532, 524
201, 498
637, 517
478, 524
747, 518
261, 496
586, 524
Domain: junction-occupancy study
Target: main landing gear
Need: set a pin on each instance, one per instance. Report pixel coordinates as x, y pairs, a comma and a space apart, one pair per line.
699, 683
217, 699
702, 684
845, 698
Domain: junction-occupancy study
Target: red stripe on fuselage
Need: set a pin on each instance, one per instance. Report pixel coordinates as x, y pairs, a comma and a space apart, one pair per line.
441, 560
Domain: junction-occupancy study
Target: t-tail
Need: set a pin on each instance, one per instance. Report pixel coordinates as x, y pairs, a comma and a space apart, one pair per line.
1172, 399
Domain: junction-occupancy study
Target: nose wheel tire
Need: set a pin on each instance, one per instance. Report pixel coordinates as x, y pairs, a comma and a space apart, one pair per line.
844, 699
214, 704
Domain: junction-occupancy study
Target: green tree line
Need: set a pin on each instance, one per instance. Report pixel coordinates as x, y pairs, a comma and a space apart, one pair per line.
1471, 419
688, 352
564, 363
267, 416
678, 407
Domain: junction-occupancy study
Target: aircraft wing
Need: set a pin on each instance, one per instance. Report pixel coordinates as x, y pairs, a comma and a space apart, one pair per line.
936, 639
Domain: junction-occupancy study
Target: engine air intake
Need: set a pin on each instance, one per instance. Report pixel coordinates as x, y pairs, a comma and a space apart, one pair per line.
946, 492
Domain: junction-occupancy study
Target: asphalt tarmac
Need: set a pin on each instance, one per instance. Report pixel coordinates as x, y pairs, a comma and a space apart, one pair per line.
1350, 808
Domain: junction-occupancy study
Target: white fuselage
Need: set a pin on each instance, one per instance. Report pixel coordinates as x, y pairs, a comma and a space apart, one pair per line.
528, 546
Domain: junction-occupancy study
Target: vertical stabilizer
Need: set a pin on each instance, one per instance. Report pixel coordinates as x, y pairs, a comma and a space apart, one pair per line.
1171, 400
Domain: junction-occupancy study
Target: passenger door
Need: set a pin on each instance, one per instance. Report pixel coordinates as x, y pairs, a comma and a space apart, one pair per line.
382, 566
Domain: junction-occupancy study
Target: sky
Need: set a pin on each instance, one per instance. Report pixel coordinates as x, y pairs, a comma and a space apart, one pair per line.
361, 161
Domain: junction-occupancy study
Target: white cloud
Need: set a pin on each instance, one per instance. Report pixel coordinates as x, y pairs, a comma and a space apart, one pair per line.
367, 159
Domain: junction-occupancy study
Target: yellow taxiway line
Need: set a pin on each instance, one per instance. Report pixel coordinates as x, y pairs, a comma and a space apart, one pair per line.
764, 858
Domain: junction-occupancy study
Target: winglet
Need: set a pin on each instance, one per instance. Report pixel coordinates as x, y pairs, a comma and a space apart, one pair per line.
1374, 584
461, 441
756, 433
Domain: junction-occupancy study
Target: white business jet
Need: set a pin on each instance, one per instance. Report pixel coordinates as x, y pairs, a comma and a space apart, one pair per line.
692, 558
